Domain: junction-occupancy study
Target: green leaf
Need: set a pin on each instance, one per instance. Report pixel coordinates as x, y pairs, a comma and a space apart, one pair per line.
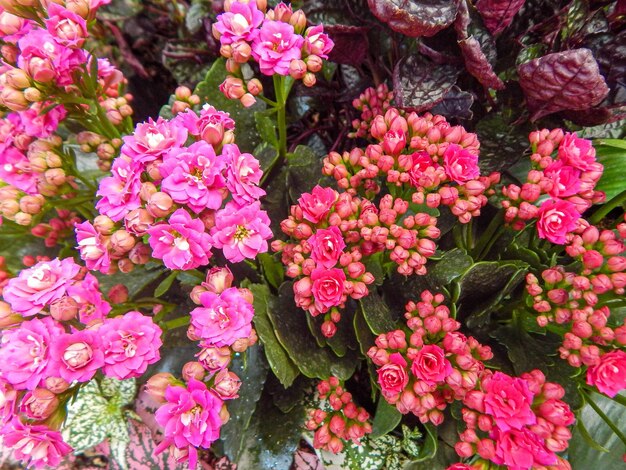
247, 137
199, 10
282, 366
136, 281
377, 314
252, 375
386, 419
584, 433
429, 449
451, 266
305, 168
411, 441
273, 269
165, 284
123, 391
266, 128
581, 454
612, 154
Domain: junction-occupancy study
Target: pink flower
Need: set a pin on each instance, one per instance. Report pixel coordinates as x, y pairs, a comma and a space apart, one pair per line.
42, 125
36, 288
421, 161
153, 139
39, 404
35, 445
240, 23
68, 27
392, 377
243, 174
317, 42
209, 126
565, 179
76, 356
25, 352
15, 170
327, 288
576, 152
509, 400
226, 384
190, 418
431, 365
460, 165
130, 344
193, 176
223, 318
275, 47
555, 219
609, 376
8, 397
92, 249
317, 204
521, 450
120, 192
181, 242
557, 412
326, 246
241, 232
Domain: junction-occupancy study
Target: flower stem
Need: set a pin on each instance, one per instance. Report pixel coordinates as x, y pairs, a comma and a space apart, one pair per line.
603, 211
175, 323
281, 117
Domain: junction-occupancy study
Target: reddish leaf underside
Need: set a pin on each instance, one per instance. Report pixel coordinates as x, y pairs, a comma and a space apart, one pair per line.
415, 18
498, 14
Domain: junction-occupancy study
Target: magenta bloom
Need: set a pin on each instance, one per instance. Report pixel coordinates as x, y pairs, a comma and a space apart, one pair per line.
41, 125
460, 165
181, 243
431, 365
316, 204
555, 219
317, 42
130, 344
15, 170
522, 450
393, 377
193, 176
66, 26
223, 318
8, 397
25, 352
327, 245
151, 140
509, 400
243, 174
34, 445
241, 232
209, 126
92, 248
610, 374
76, 356
91, 303
37, 287
275, 47
566, 179
328, 288
120, 192
576, 152
190, 418
240, 23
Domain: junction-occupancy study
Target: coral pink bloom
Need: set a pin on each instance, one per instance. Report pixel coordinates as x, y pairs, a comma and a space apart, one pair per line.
25, 352
565, 179
38, 124
92, 248
241, 232
243, 174
317, 42
431, 365
393, 377
120, 192
521, 450
15, 170
190, 418
209, 126
130, 344
576, 152
181, 242
91, 304
460, 165
326, 246
66, 26
275, 47
509, 400
222, 319
35, 445
36, 288
328, 288
317, 204
152, 139
76, 356
610, 374
193, 176
240, 23
556, 218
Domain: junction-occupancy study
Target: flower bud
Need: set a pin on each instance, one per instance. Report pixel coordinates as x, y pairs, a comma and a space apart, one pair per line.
309, 79
193, 370
214, 358
39, 404
226, 385
118, 294
64, 309
160, 204
157, 384
254, 87
247, 100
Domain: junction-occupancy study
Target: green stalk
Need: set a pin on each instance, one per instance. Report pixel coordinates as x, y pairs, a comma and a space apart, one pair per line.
281, 117
603, 211
176, 323
489, 236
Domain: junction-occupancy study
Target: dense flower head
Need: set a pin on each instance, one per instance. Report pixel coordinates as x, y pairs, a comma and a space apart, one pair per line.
66, 26
152, 139
508, 400
555, 219
130, 343
120, 193
521, 450
76, 356
90, 302
275, 47
239, 24
210, 125
92, 247
243, 175
609, 375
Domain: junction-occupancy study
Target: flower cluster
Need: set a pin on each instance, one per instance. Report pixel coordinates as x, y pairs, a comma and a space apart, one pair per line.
277, 40
371, 103
184, 199
338, 418
565, 169
60, 334
57, 228
192, 414
520, 422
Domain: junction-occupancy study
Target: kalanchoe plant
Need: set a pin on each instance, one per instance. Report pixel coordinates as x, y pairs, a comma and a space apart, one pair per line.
379, 261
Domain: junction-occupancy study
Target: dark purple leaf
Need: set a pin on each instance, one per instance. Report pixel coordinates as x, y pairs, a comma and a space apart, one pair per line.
477, 64
413, 17
456, 104
351, 43
498, 14
418, 85
560, 81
